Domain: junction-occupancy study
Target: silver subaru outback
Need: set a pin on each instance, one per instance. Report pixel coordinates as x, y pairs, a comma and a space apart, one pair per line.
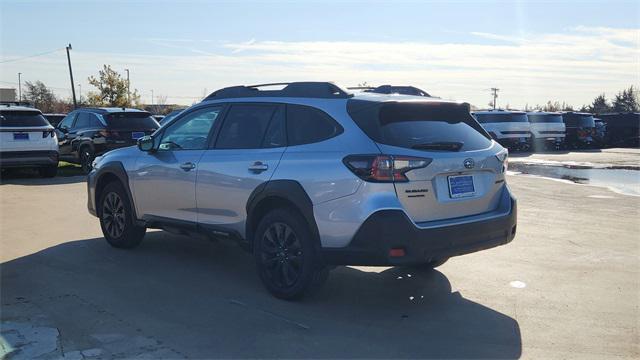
309, 176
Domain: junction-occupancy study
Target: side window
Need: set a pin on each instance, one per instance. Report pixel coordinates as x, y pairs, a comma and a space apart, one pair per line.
307, 125
95, 122
191, 132
67, 122
87, 120
276, 135
245, 126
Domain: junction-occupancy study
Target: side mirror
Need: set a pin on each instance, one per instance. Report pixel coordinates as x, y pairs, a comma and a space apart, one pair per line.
145, 143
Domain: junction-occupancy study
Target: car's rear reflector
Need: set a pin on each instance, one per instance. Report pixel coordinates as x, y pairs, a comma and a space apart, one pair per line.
396, 252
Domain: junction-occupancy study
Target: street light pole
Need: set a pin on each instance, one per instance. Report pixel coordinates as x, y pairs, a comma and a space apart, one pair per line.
80, 93
73, 88
128, 88
19, 87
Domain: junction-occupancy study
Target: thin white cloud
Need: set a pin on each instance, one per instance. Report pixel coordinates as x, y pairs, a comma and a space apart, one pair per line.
573, 66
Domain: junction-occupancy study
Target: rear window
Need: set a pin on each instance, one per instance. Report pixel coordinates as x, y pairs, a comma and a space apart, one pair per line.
501, 118
579, 120
22, 118
545, 118
131, 120
421, 126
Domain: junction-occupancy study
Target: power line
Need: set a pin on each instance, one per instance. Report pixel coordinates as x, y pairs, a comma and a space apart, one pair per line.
30, 56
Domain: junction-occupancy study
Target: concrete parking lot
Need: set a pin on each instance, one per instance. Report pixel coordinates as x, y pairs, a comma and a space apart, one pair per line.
568, 286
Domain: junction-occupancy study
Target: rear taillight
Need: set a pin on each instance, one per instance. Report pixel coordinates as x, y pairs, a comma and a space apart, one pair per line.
48, 133
384, 168
503, 157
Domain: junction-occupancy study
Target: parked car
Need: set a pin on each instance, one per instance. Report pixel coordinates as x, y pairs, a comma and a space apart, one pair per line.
27, 140
580, 127
54, 119
311, 176
623, 129
89, 132
171, 115
600, 133
510, 128
547, 130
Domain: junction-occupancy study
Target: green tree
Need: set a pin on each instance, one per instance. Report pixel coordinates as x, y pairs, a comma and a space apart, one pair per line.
599, 105
111, 89
40, 95
627, 100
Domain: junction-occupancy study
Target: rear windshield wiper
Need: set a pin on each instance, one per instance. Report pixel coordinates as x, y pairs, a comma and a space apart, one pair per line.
439, 146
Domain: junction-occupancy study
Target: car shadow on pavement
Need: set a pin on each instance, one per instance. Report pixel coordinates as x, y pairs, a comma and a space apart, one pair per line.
177, 296
34, 179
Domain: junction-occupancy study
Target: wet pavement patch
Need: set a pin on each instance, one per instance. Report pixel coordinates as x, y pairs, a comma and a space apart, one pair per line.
617, 178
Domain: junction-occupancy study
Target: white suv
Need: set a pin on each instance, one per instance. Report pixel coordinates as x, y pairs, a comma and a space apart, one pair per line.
510, 128
27, 140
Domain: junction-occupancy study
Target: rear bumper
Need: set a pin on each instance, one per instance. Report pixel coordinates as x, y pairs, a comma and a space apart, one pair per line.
392, 229
16, 159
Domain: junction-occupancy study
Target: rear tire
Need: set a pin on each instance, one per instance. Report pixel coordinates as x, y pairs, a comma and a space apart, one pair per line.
116, 218
286, 255
428, 266
86, 159
49, 171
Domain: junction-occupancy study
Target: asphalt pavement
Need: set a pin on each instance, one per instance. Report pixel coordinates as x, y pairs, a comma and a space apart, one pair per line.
567, 287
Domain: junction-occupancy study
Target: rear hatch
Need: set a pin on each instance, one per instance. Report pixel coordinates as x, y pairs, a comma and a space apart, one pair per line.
547, 125
127, 127
462, 173
23, 130
509, 124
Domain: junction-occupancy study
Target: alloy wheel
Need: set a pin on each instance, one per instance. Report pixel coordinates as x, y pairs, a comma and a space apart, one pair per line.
281, 255
113, 215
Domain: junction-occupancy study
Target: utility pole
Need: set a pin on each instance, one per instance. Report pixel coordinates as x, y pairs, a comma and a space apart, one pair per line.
495, 95
128, 88
19, 87
80, 93
73, 88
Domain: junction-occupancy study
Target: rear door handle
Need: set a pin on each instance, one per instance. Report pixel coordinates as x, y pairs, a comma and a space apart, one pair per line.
258, 167
187, 166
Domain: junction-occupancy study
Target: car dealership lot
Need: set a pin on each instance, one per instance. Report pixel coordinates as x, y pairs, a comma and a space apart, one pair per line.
566, 287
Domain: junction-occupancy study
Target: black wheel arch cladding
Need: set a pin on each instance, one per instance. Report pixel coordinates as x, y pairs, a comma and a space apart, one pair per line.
108, 171
288, 191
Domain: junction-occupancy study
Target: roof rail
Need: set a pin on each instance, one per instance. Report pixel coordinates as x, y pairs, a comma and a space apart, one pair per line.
398, 89
306, 89
361, 88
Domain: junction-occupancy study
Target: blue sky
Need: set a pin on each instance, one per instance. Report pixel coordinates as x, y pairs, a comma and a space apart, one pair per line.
534, 51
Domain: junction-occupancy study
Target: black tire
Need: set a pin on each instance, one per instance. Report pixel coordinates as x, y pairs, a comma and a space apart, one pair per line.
116, 218
287, 256
86, 159
428, 266
49, 171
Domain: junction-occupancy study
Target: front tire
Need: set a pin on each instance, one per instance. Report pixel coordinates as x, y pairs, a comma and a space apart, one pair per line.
116, 218
86, 159
286, 256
